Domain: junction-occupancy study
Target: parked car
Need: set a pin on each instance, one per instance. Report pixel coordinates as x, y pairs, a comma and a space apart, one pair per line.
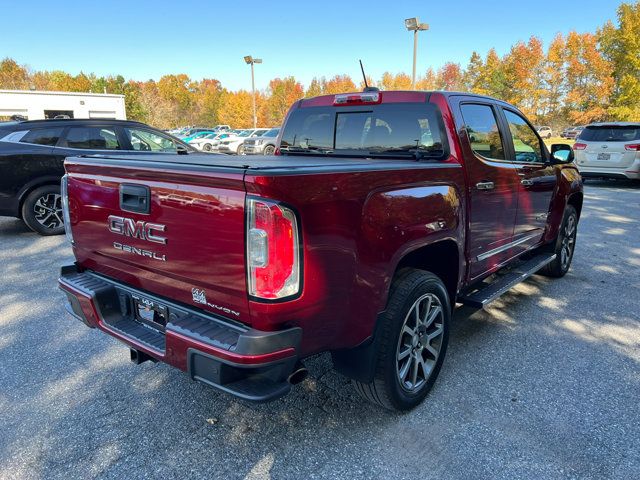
572, 132
197, 135
262, 145
609, 149
544, 131
221, 128
32, 155
193, 131
382, 212
235, 145
210, 141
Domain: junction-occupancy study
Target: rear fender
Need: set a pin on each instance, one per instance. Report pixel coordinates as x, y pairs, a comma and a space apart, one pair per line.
398, 222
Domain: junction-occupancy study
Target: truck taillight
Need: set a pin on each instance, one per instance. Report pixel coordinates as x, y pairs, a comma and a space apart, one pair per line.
66, 217
579, 146
273, 250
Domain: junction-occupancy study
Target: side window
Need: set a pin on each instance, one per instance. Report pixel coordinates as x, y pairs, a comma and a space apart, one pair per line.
42, 136
148, 141
92, 138
525, 141
482, 128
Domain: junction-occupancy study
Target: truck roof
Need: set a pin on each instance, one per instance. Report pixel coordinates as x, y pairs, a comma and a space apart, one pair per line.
393, 96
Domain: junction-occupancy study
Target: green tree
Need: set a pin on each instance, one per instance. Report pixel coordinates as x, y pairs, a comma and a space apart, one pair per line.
621, 47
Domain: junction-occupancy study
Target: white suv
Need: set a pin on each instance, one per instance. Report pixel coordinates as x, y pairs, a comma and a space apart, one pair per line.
609, 150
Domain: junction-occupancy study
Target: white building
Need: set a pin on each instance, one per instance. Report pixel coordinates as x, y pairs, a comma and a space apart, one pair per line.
36, 105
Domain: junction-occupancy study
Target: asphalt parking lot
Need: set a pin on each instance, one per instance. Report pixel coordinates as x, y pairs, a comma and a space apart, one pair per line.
545, 384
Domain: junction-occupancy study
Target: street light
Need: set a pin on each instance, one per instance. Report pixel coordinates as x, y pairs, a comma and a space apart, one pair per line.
249, 60
414, 25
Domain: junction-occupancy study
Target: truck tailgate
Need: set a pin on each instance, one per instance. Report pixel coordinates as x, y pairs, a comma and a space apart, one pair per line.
189, 247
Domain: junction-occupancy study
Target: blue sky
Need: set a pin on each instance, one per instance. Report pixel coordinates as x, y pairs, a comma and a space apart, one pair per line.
146, 39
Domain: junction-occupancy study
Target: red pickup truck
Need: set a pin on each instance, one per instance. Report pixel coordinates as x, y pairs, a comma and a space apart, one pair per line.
379, 212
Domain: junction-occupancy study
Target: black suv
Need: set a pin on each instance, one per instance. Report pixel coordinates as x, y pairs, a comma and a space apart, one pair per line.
32, 155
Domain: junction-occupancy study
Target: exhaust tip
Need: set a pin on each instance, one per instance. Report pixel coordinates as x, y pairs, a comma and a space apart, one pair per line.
298, 375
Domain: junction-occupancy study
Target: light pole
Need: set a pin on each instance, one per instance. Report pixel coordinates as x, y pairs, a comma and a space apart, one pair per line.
414, 25
250, 61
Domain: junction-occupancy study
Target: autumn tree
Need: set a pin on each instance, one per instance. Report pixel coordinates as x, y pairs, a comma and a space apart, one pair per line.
338, 84
491, 78
428, 81
314, 89
450, 77
13, 76
588, 80
621, 47
237, 109
399, 81
282, 94
524, 66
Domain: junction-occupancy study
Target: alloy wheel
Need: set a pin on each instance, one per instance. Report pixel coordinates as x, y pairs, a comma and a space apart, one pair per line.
420, 342
48, 210
568, 242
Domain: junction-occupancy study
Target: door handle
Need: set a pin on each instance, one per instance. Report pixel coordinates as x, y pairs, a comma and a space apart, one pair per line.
485, 186
526, 182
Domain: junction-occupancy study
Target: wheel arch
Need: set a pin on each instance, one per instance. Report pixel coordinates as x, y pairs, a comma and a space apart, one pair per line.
575, 200
442, 258
31, 186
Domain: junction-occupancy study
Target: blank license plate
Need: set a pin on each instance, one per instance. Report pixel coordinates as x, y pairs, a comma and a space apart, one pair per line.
604, 156
150, 313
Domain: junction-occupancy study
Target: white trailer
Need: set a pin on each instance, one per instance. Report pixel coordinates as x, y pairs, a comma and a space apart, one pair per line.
38, 105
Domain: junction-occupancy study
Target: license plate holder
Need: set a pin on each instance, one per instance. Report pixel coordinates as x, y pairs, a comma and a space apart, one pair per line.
150, 312
604, 156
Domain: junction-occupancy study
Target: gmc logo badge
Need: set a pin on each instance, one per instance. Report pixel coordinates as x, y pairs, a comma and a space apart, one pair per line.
142, 230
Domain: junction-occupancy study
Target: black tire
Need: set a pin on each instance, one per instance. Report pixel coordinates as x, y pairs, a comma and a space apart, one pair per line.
564, 246
269, 150
240, 150
387, 388
42, 210
206, 147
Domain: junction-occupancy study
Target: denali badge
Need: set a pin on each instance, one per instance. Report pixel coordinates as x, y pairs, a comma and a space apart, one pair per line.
142, 230
139, 251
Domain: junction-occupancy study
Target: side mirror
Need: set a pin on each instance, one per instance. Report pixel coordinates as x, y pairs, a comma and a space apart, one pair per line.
181, 149
561, 153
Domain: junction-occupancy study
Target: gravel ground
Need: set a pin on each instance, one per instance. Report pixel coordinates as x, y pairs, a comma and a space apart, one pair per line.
545, 384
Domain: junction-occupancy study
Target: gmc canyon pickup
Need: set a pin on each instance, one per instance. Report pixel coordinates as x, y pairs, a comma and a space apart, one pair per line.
379, 212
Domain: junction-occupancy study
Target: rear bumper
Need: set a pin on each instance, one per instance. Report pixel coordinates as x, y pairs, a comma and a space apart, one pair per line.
630, 173
250, 364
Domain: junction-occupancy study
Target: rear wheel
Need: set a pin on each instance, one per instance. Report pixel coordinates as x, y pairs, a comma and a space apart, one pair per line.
269, 150
42, 210
413, 340
564, 245
206, 147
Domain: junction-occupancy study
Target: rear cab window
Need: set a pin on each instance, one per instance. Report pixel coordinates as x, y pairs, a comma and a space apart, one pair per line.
388, 129
482, 129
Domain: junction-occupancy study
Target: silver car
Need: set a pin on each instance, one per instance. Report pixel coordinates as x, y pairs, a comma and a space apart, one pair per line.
609, 149
264, 145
